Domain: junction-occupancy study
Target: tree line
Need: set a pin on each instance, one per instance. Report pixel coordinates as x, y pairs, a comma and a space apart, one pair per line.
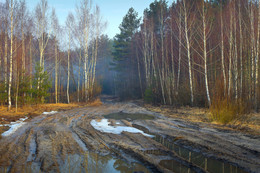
41, 60
192, 52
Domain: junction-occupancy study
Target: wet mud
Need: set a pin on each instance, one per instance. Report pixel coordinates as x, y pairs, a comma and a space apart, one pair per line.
67, 142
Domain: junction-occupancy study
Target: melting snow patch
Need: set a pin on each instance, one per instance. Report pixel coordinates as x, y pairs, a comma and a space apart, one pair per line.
104, 126
52, 112
14, 126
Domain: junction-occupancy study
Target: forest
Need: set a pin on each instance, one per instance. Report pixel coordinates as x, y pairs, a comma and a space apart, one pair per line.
192, 52
175, 90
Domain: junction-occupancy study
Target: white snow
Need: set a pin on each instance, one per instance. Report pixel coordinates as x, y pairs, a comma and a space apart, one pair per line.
14, 126
52, 112
104, 126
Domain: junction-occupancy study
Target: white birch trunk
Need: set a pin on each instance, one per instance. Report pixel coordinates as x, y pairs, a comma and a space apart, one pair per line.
205, 52
11, 53
222, 51
188, 50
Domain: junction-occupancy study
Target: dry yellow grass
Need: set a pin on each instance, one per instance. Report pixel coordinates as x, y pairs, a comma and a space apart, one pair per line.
96, 102
250, 123
35, 110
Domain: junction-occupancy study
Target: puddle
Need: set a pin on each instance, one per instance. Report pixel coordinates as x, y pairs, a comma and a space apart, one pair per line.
208, 164
175, 166
197, 158
155, 152
88, 162
127, 116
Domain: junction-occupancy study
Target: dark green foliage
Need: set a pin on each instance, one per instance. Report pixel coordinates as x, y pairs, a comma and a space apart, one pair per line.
25, 91
124, 62
154, 12
41, 84
3, 93
148, 95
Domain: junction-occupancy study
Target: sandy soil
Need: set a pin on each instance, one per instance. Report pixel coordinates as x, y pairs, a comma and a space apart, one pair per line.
46, 140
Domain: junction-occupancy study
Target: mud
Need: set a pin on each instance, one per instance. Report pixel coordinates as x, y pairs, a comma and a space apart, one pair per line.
66, 142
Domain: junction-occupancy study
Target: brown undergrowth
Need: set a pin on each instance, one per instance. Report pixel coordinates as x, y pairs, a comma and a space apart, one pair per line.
249, 123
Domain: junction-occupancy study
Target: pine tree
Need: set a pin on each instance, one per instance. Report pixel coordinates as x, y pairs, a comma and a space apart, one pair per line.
122, 51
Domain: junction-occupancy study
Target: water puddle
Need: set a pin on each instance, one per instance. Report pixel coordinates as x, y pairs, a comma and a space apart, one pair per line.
208, 164
88, 162
175, 166
196, 158
129, 117
93, 162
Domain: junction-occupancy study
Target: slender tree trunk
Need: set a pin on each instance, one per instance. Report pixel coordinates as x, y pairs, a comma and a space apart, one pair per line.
257, 61
23, 52
222, 50
240, 49
86, 61
205, 52
235, 60
79, 76
188, 51
180, 49
31, 64
172, 58
162, 74
11, 54
252, 21
56, 72
68, 80
145, 53
230, 53
5, 59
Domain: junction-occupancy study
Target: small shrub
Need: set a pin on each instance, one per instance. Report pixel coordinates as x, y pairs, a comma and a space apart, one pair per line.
225, 110
148, 95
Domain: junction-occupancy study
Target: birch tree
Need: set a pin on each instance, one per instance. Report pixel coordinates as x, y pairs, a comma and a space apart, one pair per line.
69, 24
222, 48
187, 28
41, 22
55, 29
12, 25
83, 12
205, 52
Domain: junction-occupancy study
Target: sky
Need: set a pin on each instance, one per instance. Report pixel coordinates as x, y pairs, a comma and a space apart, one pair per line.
112, 11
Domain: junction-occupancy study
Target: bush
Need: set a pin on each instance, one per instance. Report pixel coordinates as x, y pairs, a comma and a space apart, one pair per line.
148, 95
225, 110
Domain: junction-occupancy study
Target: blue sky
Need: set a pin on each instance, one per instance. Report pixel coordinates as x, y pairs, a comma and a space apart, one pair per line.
112, 11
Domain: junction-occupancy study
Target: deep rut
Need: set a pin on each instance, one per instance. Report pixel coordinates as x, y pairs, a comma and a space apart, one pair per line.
49, 143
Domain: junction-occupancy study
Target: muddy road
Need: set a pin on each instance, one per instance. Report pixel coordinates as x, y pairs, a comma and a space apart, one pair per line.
91, 139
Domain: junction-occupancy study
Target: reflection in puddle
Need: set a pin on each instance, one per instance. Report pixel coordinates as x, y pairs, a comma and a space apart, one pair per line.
127, 116
209, 164
89, 162
93, 162
175, 166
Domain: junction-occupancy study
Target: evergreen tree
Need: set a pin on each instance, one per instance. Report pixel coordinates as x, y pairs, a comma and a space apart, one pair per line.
123, 53
41, 84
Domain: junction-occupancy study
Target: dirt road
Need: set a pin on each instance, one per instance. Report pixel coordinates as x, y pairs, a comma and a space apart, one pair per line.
67, 142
